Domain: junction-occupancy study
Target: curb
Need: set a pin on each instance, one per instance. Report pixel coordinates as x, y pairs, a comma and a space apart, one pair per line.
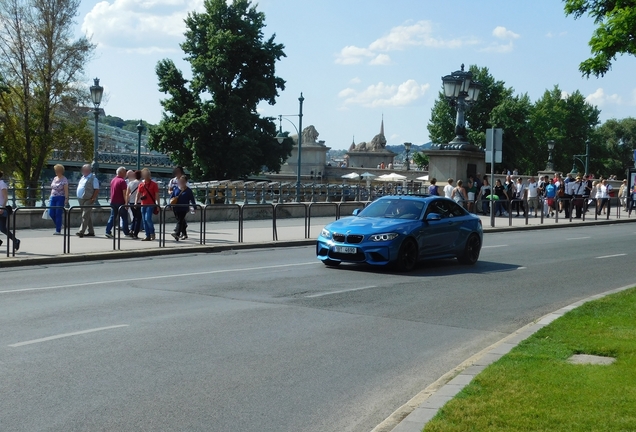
136, 253
413, 416
111, 255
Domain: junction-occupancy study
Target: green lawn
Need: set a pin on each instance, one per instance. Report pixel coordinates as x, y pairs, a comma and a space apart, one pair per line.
533, 388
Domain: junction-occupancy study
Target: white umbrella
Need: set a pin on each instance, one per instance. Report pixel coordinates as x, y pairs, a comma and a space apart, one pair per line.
392, 177
351, 176
423, 178
367, 175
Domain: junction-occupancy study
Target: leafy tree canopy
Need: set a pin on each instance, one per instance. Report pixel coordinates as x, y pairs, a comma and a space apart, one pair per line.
615, 32
210, 124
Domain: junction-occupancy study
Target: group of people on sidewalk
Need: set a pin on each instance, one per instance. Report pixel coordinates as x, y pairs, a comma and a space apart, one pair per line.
547, 195
134, 200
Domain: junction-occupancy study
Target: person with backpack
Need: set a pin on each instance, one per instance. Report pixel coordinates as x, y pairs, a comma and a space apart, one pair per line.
148, 197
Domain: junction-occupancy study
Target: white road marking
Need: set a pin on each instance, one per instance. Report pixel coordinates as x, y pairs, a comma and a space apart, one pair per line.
610, 256
171, 276
65, 335
340, 292
578, 238
494, 246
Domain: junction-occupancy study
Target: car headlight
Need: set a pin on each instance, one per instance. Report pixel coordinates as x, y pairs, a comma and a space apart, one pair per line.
384, 237
325, 233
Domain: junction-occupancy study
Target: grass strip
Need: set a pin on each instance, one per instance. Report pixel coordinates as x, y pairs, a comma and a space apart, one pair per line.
534, 388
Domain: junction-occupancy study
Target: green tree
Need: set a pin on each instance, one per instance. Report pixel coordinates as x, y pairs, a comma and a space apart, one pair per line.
513, 116
441, 126
420, 159
210, 123
617, 140
568, 120
41, 62
615, 32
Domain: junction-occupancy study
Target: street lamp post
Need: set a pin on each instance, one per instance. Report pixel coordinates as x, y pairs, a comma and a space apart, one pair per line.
407, 150
578, 157
550, 165
97, 92
461, 92
140, 129
282, 136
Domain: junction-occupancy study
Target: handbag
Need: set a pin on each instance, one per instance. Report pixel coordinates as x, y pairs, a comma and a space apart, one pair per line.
175, 199
46, 215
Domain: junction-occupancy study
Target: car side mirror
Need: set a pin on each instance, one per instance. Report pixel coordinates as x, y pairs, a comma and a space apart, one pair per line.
356, 212
433, 217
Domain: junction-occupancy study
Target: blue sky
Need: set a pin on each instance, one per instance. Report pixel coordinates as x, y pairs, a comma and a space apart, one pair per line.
356, 60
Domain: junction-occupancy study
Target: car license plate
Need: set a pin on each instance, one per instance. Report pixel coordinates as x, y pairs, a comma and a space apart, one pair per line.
345, 250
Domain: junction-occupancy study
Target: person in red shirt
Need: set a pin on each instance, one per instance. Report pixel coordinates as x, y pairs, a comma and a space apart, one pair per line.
118, 188
148, 197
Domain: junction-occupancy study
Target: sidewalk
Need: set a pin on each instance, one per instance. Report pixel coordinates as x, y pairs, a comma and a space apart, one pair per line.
39, 244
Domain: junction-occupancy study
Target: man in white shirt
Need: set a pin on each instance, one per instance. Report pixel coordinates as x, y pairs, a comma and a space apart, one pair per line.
448, 189
5, 211
87, 191
605, 190
533, 195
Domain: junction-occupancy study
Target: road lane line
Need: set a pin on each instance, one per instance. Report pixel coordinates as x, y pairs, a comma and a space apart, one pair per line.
340, 292
494, 246
610, 256
578, 238
118, 281
65, 335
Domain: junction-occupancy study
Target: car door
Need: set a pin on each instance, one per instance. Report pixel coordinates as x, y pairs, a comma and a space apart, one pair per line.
436, 235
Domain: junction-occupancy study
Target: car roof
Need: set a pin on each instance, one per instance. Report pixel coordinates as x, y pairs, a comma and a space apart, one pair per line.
411, 197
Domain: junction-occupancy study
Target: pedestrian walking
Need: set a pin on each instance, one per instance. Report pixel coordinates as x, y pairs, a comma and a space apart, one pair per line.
118, 195
532, 192
433, 189
622, 194
484, 193
519, 197
448, 189
578, 191
182, 197
5, 212
147, 196
59, 198
459, 194
177, 172
87, 191
501, 197
603, 196
133, 188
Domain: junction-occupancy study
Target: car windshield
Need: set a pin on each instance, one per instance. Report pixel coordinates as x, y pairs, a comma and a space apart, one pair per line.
399, 208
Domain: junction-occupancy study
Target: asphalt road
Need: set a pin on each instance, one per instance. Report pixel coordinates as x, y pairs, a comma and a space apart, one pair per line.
272, 340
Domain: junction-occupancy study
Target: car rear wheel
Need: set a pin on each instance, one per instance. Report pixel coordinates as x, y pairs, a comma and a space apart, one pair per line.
331, 263
407, 257
471, 250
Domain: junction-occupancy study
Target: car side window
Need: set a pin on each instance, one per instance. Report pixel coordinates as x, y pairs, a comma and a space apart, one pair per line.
439, 207
454, 209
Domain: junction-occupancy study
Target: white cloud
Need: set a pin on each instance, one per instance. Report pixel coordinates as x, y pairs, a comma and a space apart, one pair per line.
503, 33
600, 98
355, 80
350, 55
139, 26
381, 60
551, 35
564, 95
419, 34
379, 95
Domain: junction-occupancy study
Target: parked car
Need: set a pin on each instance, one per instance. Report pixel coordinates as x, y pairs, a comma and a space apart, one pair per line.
402, 231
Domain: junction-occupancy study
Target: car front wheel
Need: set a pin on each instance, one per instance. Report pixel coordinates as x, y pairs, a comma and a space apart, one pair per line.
407, 257
471, 250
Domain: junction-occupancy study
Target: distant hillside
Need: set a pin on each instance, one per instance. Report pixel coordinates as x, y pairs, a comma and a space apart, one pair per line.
127, 125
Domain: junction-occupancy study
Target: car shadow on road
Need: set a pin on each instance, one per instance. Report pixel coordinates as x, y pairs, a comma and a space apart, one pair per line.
448, 267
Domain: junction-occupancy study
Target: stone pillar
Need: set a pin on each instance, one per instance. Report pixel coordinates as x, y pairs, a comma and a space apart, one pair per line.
455, 161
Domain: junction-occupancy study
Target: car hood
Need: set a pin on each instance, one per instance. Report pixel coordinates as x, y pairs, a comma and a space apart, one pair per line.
363, 225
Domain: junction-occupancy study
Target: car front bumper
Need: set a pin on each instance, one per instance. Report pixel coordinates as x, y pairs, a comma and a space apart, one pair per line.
366, 252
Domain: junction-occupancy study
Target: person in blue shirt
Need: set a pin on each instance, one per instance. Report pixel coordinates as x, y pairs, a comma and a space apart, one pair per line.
181, 198
550, 195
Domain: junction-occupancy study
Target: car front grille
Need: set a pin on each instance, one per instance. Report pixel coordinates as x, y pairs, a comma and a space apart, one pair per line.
340, 238
354, 238
357, 257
